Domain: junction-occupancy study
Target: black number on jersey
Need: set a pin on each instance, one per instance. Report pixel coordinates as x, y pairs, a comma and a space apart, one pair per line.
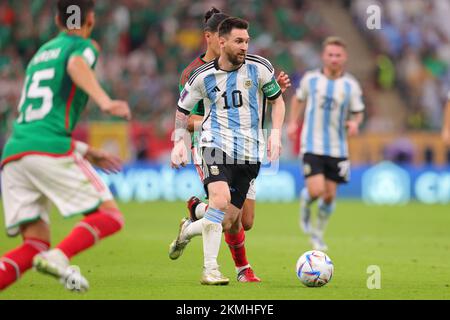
236, 97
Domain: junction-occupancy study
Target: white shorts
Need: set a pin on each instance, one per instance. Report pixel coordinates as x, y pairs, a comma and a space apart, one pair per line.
197, 160
32, 183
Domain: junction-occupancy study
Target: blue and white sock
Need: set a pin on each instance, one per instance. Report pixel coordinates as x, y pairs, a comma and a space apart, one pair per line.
212, 237
304, 196
325, 212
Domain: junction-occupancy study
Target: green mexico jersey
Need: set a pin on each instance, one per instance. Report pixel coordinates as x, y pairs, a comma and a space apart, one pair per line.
51, 104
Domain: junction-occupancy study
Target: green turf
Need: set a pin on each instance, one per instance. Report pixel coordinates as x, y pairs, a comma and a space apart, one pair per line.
410, 244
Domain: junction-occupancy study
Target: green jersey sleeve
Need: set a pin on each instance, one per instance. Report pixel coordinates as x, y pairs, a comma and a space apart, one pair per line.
87, 51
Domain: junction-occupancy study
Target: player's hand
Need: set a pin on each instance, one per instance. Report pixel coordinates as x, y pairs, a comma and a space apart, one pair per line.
446, 136
179, 156
107, 162
352, 128
274, 146
292, 130
118, 108
284, 81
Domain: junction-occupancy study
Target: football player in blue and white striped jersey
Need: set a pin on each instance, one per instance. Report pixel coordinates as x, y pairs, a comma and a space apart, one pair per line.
329, 102
233, 89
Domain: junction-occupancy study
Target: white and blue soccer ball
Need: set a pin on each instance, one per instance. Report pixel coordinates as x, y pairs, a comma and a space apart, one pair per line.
314, 268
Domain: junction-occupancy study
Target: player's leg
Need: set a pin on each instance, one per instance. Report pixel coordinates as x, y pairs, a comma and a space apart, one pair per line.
248, 213
26, 213
196, 207
95, 226
13, 264
192, 226
326, 208
243, 183
236, 241
336, 172
313, 170
76, 189
315, 188
219, 201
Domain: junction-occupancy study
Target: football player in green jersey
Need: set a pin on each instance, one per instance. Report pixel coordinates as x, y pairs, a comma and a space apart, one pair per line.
42, 164
196, 207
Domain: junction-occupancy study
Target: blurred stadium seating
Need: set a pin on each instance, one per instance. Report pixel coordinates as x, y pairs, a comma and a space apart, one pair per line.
146, 44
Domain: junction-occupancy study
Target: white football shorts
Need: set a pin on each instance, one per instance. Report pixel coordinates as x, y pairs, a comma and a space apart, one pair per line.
32, 183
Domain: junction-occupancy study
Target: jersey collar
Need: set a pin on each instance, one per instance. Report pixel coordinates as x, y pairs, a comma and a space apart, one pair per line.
216, 65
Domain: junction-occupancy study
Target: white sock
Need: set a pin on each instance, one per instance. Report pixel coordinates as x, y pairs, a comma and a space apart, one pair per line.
304, 195
200, 210
193, 229
212, 237
325, 211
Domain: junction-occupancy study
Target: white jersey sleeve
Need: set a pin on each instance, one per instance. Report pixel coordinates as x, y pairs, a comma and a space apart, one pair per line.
356, 100
302, 91
192, 93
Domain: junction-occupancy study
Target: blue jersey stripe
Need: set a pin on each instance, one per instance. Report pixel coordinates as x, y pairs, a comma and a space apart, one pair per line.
210, 84
342, 118
327, 109
311, 115
254, 107
234, 122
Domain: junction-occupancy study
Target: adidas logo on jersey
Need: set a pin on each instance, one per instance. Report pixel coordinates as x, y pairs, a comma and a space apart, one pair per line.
216, 89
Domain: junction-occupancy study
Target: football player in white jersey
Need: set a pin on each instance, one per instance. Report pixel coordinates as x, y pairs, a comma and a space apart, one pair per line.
233, 88
446, 123
329, 103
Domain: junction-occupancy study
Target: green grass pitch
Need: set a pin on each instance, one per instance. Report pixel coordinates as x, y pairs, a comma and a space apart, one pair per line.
410, 244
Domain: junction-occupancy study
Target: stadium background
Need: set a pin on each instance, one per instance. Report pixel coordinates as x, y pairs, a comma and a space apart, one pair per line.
398, 159
403, 68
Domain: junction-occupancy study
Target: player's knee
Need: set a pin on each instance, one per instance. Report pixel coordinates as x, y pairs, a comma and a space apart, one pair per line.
38, 230
247, 224
328, 198
316, 192
112, 210
220, 202
226, 225
231, 226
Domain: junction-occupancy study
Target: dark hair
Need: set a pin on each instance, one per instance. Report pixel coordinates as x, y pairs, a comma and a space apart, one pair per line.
232, 23
213, 18
85, 6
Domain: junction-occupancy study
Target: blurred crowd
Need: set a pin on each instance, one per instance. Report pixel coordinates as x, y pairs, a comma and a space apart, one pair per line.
413, 47
147, 43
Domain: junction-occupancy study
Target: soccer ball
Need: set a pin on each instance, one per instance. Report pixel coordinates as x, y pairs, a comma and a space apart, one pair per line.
314, 268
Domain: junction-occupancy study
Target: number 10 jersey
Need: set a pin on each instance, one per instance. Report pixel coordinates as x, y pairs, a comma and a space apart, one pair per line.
234, 104
51, 104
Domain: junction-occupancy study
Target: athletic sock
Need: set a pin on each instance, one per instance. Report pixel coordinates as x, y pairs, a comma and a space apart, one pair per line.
212, 237
304, 196
236, 244
90, 230
200, 210
325, 211
193, 229
14, 263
